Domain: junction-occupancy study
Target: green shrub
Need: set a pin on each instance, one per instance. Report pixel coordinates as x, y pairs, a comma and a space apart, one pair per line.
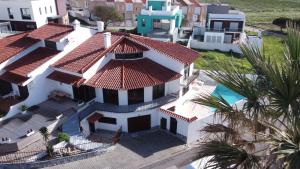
63, 137
23, 107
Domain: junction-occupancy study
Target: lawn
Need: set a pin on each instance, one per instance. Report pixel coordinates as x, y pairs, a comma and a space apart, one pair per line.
264, 11
209, 60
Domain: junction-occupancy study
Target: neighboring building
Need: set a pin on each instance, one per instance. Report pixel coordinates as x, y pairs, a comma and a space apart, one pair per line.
224, 30
160, 20
31, 14
193, 11
120, 80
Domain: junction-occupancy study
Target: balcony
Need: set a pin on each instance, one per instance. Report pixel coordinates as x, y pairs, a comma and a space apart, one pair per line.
190, 79
96, 106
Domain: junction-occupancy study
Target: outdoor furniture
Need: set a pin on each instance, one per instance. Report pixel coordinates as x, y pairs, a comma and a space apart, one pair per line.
58, 95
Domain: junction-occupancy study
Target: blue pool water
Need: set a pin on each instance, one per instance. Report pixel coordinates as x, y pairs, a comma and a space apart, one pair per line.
230, 96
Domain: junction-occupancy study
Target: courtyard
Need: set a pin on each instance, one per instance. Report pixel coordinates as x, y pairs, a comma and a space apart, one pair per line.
137, 150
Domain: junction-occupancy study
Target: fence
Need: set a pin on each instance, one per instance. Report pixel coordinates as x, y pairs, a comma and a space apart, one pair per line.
42, 155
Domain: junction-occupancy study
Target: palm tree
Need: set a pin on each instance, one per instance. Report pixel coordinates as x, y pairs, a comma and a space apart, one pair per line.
45, 134
265, 131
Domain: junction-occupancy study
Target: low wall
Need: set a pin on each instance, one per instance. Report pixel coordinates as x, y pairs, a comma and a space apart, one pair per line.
48, 163
195, 44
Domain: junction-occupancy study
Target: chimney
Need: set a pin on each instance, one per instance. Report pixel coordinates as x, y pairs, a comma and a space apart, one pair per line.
100, 26
107, 39
76, 24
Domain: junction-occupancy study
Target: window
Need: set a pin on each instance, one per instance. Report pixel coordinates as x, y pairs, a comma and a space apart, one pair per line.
50, 9
143, 23
40, 9
50, 44
129, 56
10, 15
136, 96
186, 72
158, 91
111, 96
45, 10
25, 13
108, 120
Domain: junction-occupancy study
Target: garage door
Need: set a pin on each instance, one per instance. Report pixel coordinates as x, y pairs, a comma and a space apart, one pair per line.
139, 123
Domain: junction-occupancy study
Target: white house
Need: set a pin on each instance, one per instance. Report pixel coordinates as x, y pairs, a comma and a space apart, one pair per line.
224, 30
31, 14
123, 81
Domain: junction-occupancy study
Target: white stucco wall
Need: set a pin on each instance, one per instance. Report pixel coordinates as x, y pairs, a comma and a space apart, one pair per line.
123, 97
99, 95
33, 6
148, 94
122, 120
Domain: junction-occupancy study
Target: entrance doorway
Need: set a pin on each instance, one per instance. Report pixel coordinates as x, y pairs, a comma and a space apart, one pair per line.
173, 125
84, 93
23, 91
163, 123
92, 127
139, 123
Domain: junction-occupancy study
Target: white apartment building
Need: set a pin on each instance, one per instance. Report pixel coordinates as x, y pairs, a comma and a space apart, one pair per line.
31, 14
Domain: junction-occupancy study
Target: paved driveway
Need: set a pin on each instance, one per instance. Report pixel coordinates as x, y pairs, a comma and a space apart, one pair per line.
133, 151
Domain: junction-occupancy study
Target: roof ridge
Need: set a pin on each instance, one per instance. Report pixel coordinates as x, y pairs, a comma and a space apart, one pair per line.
148, 74
123, 76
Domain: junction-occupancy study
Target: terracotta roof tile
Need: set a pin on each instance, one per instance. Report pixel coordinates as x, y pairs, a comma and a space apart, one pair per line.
13, 78
170, 113
66, 78
51, 31
12, 45
31, 61
173, 50
131, 74
128, 46
89, 52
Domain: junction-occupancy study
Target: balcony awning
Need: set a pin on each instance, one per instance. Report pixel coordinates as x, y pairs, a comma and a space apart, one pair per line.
94, 117
13, 78
66, 78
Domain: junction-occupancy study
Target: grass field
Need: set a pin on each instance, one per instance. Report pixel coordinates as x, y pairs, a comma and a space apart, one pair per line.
264, 11
209, 60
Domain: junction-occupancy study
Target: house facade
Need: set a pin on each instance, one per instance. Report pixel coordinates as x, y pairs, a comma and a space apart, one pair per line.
32, 14
120, 81
224, 30
159, 19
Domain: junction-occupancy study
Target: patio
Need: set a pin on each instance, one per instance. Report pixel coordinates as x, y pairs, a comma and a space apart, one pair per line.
22, 129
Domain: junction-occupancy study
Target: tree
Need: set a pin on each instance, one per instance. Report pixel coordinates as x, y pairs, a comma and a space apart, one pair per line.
264, 132
107, 15
45, 134
281, 22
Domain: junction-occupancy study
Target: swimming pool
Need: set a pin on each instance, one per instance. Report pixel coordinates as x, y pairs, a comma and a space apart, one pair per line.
230, 96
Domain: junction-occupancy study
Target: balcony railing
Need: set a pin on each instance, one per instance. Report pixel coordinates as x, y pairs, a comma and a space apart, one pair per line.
190, 79
223, 30
96, 106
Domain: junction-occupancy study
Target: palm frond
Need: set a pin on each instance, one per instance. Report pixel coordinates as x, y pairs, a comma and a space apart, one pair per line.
222, 155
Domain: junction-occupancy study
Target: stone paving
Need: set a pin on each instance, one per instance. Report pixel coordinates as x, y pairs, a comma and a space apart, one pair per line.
133, 151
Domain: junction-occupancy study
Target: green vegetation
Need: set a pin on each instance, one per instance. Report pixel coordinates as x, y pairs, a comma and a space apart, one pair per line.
63, 137
273, 49
261, 11
212, 59
262, 131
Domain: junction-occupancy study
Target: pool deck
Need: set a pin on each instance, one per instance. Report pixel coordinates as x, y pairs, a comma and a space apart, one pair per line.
186, 108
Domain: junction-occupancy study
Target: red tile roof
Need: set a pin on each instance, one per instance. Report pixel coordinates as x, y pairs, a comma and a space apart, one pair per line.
51, 31
128, 46
66, 78
131, 74
170, 113
88, 53
94, 117
175, 51
85, 54
12, 45
13, 78
31, 61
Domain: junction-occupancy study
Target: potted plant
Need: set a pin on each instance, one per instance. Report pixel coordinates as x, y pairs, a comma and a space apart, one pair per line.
24, 108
